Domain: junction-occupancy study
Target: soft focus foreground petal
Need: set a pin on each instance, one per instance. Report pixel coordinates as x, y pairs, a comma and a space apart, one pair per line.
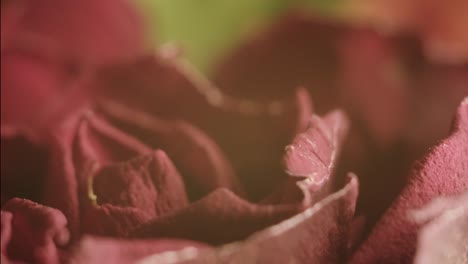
197, 157
217, 218
157, 83
293, 51
440, 27
317, 235
37, 92
11, 13
443, 30
373, 84
444, 238
443, 171
93, 32
6, 218
97, 250
36, 232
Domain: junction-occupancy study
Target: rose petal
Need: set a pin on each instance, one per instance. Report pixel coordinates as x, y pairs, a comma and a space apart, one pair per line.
445, 238
374, 86
11, 14
36, 231
264, 128
107, 186
99, 141
441, 26
131, 193
6, 218
310, 160
89, 31
37, 93
316, 53
442, 172
293, 51
313, 153
229, 217
78, 149
112, 221
94, 250
317, 235
195, 155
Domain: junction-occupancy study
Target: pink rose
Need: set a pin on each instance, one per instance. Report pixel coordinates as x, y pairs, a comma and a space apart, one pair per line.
158, 164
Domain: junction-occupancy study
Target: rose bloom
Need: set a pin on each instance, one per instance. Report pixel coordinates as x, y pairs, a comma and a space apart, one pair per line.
115, 154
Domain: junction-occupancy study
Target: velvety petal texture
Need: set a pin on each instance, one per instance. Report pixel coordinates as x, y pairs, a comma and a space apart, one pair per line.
33, 232
443, 171
109, 155
228, 217
112, 182
313, 236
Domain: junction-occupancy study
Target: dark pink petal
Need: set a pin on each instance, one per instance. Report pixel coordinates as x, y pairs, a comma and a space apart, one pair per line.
293, 51
36, 93
444, 238
6, 218
228, 217
110, 183
317, 235
61, 185
88, 31
78, 149
131, 193
96, 250
310, 160
36, 232
398, 102
11, 13
312, 154
199, 160
50, 49
111, 220
443, 32
140, 182
96, 140
264, 127
373, 85
443, 171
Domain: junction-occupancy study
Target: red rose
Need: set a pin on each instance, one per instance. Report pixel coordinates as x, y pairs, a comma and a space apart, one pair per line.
160, 165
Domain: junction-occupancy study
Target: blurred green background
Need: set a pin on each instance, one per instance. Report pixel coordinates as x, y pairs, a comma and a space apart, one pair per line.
204, 29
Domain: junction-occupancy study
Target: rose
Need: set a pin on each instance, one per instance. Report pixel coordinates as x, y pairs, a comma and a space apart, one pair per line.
105, 178
49, 49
